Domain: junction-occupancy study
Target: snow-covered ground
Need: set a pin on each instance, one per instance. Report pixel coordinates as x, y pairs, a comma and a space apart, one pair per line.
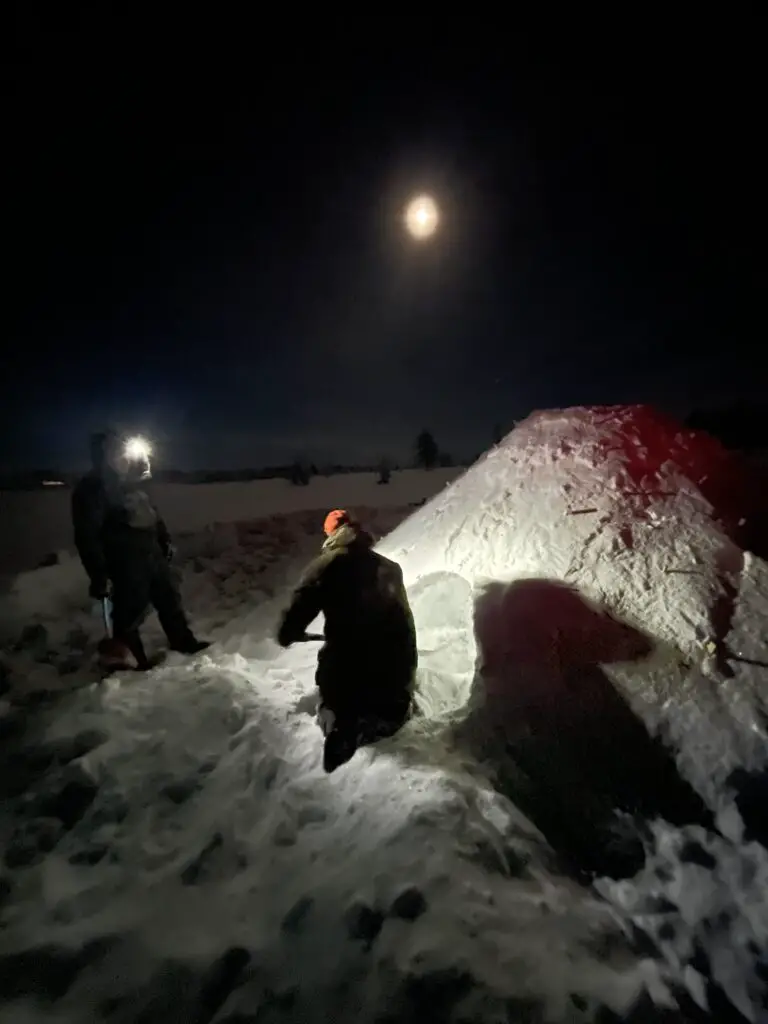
593, 586
39, 522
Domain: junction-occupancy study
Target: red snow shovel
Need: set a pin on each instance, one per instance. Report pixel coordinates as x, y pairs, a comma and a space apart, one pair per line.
113, 655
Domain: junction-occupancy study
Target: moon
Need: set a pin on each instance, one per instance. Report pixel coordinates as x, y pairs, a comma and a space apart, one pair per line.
422, 217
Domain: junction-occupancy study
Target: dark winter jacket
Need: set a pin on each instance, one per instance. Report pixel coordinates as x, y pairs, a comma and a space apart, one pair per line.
369, 657
116, 525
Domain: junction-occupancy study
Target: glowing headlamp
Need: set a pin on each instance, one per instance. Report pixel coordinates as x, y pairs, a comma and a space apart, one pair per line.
136, 448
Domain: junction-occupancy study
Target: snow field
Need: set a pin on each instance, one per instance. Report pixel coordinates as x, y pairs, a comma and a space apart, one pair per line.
201, 863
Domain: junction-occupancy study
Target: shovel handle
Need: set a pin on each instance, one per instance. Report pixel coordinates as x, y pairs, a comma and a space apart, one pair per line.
106, 616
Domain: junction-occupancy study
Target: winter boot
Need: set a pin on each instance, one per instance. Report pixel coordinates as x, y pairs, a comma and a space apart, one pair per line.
114, 656
340, 739
190, 645
135, 645
340, 747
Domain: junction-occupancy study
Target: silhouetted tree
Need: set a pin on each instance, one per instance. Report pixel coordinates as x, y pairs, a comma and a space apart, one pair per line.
427, 452
384, 471
299, 474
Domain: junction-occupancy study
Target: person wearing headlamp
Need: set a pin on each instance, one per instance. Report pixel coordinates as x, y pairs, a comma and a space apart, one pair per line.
125, 547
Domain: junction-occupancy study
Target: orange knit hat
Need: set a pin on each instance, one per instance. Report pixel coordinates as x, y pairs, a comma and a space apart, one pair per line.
334, 520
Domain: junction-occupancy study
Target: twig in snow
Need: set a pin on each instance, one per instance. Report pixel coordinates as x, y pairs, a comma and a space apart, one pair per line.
748, 661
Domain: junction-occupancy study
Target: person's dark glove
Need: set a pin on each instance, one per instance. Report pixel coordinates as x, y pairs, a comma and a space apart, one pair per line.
170, 552
99, 589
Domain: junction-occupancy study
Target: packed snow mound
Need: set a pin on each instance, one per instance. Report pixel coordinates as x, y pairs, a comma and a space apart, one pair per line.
519, 509
611, 563
647, 519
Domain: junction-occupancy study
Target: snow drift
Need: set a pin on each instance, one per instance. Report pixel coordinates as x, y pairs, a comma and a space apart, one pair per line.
589, 597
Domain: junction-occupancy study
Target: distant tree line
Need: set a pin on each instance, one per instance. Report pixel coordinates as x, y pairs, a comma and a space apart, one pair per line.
427, 454
298, 473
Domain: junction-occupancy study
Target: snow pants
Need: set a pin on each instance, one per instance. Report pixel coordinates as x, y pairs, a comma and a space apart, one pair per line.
359, 703
138, 583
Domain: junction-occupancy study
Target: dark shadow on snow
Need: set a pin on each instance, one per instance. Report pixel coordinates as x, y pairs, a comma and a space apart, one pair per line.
564, 744
750, 790
730, 565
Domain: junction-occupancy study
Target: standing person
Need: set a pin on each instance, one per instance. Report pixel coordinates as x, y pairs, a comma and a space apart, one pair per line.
125, 547
366, 668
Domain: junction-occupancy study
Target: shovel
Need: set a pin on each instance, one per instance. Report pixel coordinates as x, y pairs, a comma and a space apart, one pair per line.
112, 653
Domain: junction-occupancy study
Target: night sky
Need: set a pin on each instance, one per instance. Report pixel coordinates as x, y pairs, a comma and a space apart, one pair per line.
203, 228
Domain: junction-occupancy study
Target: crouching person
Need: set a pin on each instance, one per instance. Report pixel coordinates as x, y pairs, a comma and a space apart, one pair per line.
366, 667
